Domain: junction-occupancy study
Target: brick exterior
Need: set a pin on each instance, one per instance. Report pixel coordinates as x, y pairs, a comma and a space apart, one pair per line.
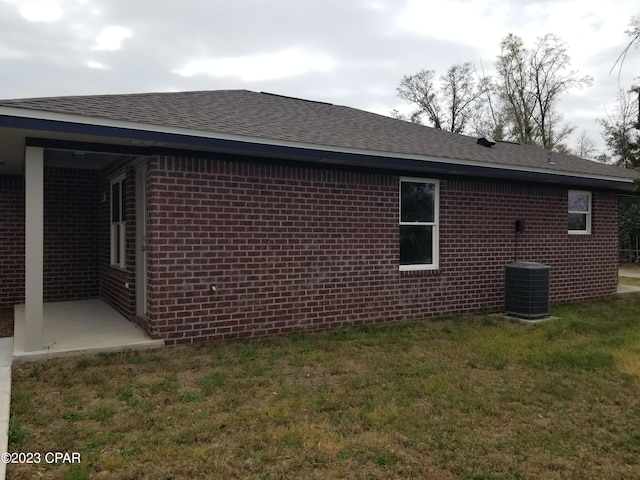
292, 248
582, 266
71, 228
70, 236
11, 241
295, 248
114, 281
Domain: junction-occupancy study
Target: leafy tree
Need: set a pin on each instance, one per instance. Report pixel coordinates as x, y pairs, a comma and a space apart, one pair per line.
620, 133
620, 128
629, 225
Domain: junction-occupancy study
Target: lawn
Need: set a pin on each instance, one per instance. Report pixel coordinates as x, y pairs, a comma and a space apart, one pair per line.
632, 281
465, 397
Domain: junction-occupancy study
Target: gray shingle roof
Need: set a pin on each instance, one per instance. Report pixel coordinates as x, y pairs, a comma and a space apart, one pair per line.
274, 117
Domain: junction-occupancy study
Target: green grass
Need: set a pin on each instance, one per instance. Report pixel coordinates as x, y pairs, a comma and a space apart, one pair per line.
473, 397
632, 281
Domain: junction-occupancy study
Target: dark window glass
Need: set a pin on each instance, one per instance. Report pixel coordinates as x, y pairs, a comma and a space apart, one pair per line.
115, 202
123, 210
118, 245
577, 221
416, 244
417, 202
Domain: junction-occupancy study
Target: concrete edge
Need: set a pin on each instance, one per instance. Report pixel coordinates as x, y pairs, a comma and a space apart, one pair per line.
5, 398
27, 357
524, 321
5, 405
624, 289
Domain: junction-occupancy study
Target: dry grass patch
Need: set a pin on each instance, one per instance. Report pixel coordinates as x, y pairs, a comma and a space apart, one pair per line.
467, 397
631, 281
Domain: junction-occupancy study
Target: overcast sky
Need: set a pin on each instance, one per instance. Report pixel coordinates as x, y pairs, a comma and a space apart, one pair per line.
348, 52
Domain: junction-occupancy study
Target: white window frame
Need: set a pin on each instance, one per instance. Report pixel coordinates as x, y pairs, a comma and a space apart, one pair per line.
435, 264
117, 229
588, 214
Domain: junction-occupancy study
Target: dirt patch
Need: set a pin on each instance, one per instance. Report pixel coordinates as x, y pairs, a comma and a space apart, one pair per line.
6, 322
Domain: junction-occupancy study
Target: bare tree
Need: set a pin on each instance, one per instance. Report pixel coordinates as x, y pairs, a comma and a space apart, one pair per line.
513, 89
518, 104
636, 90
585, 147
634, 32
529, 85
413, 117
419, 90
448, 106
489, 118
549, 61
462, 92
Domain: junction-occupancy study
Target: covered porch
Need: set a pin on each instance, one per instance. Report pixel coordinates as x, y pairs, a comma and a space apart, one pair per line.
84, 269
79, 327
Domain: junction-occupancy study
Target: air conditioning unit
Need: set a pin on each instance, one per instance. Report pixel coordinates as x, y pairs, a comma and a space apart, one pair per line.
526, 292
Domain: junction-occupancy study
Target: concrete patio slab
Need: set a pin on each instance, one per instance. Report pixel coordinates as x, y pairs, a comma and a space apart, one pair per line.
80, 327
627, 289
629, 272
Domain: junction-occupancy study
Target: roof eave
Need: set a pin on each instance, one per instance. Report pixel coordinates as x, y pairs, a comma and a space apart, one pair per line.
151, 135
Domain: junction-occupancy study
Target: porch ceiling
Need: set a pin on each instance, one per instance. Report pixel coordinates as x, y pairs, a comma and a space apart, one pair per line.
13, 143
98, 150
12, 152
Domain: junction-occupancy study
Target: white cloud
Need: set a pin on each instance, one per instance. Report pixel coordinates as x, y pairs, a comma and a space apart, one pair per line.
358, 61
476, 23
586, 26
10, 54
40, 10
96, 65
254, 68
111, 38
375, 4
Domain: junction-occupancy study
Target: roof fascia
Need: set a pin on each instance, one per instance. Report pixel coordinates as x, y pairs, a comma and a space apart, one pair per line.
75, 124
341, 161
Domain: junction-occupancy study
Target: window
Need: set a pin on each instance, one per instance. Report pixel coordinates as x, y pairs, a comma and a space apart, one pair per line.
418, 224
118, 223
579, 212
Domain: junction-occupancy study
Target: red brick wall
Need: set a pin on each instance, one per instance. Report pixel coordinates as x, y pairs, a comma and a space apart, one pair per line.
11, 241
478, 225
70, 236
71, 199
295, 249
114, 281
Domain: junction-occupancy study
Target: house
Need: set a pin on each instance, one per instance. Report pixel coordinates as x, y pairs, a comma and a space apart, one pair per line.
225, 214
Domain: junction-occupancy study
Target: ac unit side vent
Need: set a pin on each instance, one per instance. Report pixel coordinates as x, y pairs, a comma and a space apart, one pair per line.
526, 293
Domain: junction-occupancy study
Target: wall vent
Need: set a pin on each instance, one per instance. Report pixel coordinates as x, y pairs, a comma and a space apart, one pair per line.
526, 292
